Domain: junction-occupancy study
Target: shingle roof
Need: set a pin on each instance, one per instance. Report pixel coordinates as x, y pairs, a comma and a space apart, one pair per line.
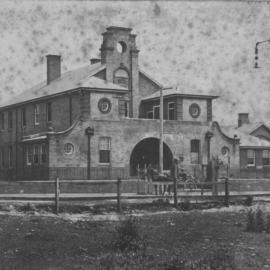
246, 140
81, 77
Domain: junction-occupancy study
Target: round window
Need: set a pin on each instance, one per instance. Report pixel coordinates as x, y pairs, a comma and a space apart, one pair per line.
104, 105
68, 148
194, 110
225, 150
121, 46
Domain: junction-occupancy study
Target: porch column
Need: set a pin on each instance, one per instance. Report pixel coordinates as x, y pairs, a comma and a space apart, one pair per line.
89, 132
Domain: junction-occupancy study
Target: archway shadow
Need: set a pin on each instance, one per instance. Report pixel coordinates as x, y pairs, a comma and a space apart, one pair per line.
147, 152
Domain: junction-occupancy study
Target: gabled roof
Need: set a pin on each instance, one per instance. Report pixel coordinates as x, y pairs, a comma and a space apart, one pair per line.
251, 127
79, 78
176, 92
246, 140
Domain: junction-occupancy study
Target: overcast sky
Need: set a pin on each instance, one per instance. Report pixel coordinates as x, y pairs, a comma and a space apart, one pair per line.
204, 47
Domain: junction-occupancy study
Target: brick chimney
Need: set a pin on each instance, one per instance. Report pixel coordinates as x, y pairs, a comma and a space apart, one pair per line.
243, 119
53, 67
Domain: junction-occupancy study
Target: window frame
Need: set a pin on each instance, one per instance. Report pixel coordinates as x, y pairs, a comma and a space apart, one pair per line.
10, 119
29, 155
10, 156
43, 153
254, 158
268, 157
2, 153
108, 151
170, 109
198, 148
154, 108
150, 112
23, 117
36, 114
126, 108
121, 80
2, 119
49, 111
35, 146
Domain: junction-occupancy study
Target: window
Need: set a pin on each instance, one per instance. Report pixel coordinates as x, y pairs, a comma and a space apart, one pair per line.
194, 151
28, 155
171, 111
126, 108
121, 77
23, 117
10, 156
266, 157
36, 114
250, 157
3, 157
68, 148
35, 154
156, 112
43, 157
2, 119
49, 111
150, 115
104, 150
10, 119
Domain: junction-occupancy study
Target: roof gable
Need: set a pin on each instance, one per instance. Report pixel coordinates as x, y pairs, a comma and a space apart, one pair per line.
71, 80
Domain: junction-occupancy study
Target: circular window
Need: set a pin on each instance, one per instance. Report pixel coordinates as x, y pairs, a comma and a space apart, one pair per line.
104, 105
121, 46
194, 110
225, 150
68, 148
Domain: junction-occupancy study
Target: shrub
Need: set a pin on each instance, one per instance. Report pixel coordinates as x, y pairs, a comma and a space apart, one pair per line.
250, 221
248, 201
186, 205
128, 236
259, 220
256, 221
267, 224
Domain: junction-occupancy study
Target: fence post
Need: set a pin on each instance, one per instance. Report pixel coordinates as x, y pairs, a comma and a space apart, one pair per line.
175, 191
119, 206
57, 193
226, 192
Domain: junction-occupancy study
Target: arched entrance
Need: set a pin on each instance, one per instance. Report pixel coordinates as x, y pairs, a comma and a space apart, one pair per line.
147, 151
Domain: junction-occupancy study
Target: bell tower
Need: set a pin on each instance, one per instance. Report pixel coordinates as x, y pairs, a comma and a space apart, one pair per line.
120, 54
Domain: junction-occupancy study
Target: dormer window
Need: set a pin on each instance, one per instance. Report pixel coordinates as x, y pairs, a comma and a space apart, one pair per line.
121, 77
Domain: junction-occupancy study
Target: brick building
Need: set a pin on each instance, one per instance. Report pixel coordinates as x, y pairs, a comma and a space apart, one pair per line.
102, 120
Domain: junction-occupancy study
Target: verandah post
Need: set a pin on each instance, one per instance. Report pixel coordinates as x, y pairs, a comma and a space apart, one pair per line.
57, 194
175, 185
119, 206
226, 182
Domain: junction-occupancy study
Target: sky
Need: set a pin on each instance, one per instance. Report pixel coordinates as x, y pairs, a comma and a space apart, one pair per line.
202, 47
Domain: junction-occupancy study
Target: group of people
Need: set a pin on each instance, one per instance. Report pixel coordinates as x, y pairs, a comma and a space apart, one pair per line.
152, 174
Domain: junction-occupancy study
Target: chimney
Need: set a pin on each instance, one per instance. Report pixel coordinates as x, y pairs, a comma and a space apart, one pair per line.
94, 60
53, 67
243, 119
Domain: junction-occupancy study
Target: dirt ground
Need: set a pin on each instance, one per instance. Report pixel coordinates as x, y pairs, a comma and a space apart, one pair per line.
33, 238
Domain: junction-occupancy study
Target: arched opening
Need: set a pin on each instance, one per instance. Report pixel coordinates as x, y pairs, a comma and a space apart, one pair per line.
147, 151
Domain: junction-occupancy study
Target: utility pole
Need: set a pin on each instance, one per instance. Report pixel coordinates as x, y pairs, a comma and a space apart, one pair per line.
161, 129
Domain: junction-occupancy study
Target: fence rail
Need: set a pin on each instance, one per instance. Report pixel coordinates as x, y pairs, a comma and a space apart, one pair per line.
224, 189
